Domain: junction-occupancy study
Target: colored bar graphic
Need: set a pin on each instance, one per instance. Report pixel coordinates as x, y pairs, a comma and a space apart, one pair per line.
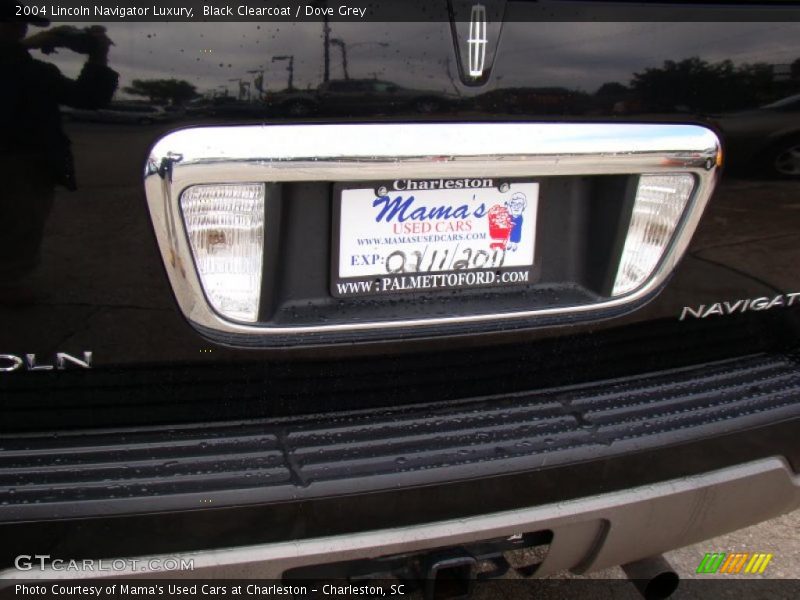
728, 562
734, 563
711, 562
740, 562
765, 563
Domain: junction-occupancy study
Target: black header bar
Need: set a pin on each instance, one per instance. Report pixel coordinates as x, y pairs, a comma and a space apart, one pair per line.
283, 11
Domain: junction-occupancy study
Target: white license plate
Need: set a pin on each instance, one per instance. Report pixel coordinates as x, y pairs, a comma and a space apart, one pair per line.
428, 235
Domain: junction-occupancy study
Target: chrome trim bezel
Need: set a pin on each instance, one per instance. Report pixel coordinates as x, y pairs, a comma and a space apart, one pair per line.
368, 152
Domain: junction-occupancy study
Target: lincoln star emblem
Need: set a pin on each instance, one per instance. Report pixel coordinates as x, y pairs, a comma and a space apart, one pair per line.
476, 28
477, 40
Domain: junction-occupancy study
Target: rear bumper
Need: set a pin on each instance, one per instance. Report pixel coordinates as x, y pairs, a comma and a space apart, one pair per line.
104, 472
588, 533
598, 461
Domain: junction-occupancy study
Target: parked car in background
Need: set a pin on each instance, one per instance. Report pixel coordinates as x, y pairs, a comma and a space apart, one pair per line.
765, 140
341, 96
127, 113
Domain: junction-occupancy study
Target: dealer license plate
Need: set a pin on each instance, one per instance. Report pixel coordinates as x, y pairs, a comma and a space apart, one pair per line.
428, 235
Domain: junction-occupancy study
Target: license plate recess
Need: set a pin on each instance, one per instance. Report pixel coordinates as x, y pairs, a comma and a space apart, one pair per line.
429, 236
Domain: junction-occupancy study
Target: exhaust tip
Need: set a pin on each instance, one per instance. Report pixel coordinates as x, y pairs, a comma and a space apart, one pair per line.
661, 586
654, 577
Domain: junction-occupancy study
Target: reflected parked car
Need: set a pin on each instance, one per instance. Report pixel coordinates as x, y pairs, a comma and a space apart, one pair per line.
134, 113
226, 107
535, 101
765, 140
367, 96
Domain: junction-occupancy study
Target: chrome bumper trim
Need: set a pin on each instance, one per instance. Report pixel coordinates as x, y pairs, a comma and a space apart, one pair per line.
589, 533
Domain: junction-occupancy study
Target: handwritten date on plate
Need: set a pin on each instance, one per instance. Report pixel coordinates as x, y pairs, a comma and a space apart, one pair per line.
442, 260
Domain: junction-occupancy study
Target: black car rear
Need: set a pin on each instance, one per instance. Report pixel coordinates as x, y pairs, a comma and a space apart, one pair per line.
508, 295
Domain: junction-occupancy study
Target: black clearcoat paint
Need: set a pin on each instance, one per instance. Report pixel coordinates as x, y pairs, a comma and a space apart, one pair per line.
99, 284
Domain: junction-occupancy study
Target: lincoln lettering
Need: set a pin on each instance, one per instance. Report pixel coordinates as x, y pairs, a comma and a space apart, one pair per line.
30, 362
403, 209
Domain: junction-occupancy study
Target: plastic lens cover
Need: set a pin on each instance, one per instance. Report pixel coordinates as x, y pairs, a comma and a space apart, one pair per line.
659, 205
225, 226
